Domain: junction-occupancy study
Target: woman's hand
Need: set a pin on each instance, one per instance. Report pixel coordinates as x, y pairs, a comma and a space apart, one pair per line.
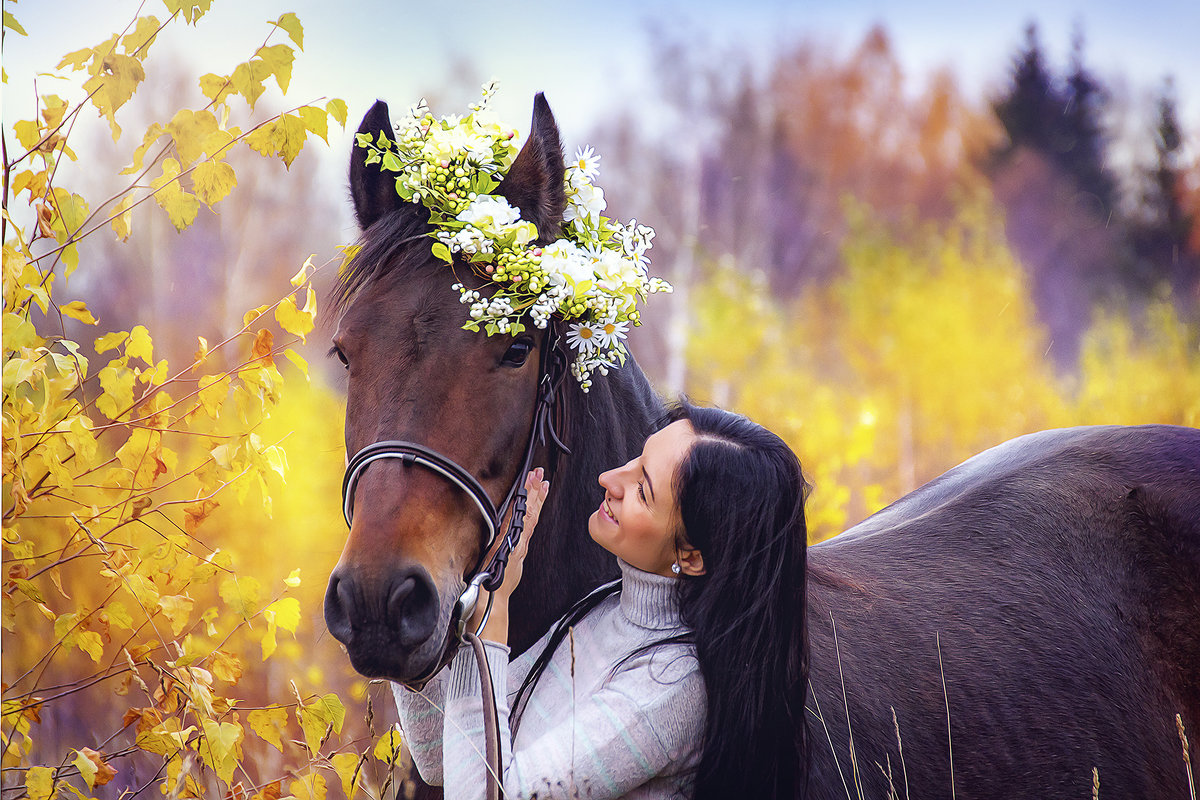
496, 629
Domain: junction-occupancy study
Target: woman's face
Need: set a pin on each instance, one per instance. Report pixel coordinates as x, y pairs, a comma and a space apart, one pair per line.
639, 517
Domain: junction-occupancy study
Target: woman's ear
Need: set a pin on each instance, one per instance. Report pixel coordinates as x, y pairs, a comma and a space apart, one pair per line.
690, 562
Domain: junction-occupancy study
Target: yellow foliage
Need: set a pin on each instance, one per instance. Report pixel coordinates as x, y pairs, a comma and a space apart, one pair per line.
131, 586
917, 356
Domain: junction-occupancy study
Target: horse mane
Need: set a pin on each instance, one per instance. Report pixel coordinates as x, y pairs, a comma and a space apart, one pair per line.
380, 250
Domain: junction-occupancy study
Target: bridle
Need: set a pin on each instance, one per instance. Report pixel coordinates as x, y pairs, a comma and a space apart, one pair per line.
552, 369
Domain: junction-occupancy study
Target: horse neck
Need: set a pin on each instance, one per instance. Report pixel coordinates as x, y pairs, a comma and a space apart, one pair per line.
604, 428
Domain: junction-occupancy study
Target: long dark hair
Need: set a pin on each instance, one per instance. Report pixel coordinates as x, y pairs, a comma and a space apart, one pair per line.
741, 497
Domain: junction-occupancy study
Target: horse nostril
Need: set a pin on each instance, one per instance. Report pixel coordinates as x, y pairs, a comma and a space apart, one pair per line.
339, 607
399, 594
412, 608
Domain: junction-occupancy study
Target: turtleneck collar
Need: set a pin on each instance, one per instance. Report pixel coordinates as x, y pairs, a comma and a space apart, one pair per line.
649, 600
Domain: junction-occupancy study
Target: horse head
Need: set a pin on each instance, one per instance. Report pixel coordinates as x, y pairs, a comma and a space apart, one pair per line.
416, 375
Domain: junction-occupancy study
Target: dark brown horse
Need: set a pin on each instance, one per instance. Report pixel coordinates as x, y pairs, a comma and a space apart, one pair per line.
1030, 615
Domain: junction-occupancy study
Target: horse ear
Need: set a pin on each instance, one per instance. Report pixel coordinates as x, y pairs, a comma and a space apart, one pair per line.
534, 183
373, 190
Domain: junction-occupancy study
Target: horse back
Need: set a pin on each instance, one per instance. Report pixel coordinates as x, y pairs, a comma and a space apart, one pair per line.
1042, 596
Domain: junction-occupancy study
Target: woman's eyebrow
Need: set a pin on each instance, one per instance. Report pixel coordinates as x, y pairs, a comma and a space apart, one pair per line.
646, 475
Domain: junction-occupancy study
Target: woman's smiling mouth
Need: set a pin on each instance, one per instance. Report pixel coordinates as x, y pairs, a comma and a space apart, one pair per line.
606, 510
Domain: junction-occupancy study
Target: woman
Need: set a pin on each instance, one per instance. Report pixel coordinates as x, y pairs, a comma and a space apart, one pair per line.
686, 677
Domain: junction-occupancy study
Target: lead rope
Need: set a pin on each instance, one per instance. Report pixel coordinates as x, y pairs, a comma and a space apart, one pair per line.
491, 718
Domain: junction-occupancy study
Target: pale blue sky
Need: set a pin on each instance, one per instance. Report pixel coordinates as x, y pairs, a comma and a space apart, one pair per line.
584, 55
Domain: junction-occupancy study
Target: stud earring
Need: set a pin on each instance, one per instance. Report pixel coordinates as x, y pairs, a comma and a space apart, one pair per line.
675, 568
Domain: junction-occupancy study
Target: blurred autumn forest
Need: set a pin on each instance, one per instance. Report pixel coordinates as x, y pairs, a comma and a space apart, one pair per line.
892, 275
847, 243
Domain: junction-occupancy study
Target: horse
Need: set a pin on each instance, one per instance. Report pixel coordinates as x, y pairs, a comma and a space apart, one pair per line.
1023, 620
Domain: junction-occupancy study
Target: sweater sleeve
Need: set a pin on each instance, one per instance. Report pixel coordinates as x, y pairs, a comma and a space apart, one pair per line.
421, 722
421, 713
609, 742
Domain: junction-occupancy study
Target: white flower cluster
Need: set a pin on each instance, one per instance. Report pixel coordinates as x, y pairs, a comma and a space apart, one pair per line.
592, 278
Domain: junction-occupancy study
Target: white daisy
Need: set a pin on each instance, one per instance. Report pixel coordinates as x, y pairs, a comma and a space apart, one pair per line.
609, 332
583, 337
586, 163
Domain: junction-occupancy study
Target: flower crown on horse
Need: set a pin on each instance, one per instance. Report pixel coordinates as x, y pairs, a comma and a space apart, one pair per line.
591, 277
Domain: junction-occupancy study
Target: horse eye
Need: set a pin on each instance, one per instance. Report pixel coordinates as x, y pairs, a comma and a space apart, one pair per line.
337, 351
517, 352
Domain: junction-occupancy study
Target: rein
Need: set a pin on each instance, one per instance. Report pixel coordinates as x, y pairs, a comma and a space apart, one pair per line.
489, 576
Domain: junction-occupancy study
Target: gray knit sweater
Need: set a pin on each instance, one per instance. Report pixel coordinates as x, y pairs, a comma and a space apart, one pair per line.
587, 731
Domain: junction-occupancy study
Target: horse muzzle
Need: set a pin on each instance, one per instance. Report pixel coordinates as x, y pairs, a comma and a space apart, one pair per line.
394, 626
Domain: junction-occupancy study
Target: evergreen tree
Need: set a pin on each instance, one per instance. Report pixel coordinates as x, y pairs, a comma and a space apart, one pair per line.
1081, 142
1029, 111
1161, 230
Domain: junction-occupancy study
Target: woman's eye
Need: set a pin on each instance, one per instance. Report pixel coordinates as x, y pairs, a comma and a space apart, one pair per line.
642, 491
517, 352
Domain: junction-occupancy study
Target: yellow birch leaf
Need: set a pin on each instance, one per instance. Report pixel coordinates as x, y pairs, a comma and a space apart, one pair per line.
302, 274
262, 139
337, 109
77, 309
212, 181
270, 724
39, 782
156, 376
226, 667
105, 772
286, 613
110, 341
387, 749
213, 390
18, 332
316, 120
346, 767
151, 136
118, 615
221, 747
323, 714
122, 223
87, 768
201, 354
114, 85
137, 42
216, 87
269, 643
293, 578
82, 440
140, 344
291, 23
142, 590
91, 643
298, 360
190, 131
278, 59
264, 343
242, 595
295, 321
181, 206
309, 787
247, 80
253, 314
289, 136
75, 60
72, 213
28, 133
178, 609
117, 383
